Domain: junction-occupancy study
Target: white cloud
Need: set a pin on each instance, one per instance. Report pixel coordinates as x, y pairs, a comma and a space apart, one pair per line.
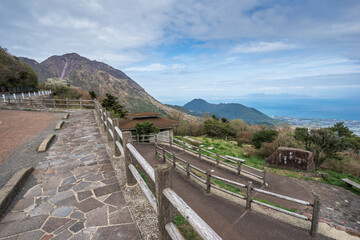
260, 47
148, 68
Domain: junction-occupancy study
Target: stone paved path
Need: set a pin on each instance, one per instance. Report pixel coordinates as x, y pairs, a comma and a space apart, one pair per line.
77, 195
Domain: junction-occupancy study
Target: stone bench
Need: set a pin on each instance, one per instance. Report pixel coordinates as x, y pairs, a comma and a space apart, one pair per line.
351, 183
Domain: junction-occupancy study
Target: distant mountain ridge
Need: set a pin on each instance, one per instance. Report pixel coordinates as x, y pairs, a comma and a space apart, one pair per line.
229, 111
99, 77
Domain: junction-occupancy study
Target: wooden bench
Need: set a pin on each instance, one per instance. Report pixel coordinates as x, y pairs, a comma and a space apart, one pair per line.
351, 183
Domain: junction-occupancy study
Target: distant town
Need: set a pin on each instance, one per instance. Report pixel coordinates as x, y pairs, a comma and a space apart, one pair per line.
353, 125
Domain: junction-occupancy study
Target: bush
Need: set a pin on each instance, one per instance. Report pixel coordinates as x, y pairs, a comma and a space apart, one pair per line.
264, 135
348, 164
146, 128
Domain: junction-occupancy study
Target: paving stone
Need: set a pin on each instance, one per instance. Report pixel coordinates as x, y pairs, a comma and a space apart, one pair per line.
94, 185
54, 223
97, 217
63, 235
120, 232
83, 175
81, 236
89, 204
47, 237
106, 168
34, 191
62, 211
116, 199
26, 225
80, 186
83, 195
61, 196
68, 181
77, 215
42, 209
23, 203
65, 187
120, 216
37, 234
65, 226
93, 177
50, 192
112, 209
110, 181
70, 201
14, 216
106, 189
51, 183
77, 227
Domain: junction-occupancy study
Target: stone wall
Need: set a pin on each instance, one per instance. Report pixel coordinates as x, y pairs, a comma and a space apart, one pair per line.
291, 158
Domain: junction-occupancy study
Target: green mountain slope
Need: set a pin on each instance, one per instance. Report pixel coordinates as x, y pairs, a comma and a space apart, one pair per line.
15, 73
229, 111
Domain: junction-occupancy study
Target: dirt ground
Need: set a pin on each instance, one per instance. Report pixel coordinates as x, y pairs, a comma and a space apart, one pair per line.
17, 127
21, 133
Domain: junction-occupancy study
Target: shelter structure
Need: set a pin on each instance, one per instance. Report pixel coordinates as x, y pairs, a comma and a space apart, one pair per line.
164, 124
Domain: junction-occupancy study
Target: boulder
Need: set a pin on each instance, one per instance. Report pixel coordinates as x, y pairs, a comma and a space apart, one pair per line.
292, 158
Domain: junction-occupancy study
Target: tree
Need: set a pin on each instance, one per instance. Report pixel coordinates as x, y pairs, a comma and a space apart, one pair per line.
341, 130
92, 94
146, 128
324, 144
264, 135
111, 104
303, 135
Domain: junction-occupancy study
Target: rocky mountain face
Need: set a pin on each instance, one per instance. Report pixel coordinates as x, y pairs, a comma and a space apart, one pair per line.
229, 111
101, 78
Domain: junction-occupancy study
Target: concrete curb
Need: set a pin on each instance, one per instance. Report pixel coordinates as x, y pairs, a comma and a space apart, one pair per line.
9, 191
59, 125
45, 144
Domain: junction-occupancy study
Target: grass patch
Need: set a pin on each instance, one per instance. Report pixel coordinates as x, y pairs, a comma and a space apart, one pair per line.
146, 181
185, 228
275, 205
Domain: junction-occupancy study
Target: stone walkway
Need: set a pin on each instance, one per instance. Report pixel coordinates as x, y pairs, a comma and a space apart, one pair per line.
77, 195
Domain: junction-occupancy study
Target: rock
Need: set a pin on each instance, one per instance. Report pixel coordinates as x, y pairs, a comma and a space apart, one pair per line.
292, 158
322, 174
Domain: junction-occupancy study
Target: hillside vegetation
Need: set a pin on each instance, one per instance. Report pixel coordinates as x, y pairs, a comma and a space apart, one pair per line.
15, 73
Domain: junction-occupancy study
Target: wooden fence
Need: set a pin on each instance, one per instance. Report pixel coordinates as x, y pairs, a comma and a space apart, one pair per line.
221, 160
48, 103
205, 177
166, 199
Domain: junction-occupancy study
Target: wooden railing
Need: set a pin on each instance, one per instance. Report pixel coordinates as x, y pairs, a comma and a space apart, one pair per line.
166, 199
205, 176
49, 103
221, 160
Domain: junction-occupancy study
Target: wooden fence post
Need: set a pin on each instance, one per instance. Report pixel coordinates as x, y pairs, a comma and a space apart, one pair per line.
155, 138
217, 158
137, 138
184, 147
239, 168
208, 181
30, 101
264, 177
163, 180
156, 147
80, 103
315, 216
54, 103
174, 160
104, 119
164, 155
170, 141
199, 149
127, 138
108, 126
117, 152
188, 170
67, 103
248, 195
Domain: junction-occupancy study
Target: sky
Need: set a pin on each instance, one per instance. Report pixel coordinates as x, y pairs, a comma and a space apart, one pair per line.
212, 49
